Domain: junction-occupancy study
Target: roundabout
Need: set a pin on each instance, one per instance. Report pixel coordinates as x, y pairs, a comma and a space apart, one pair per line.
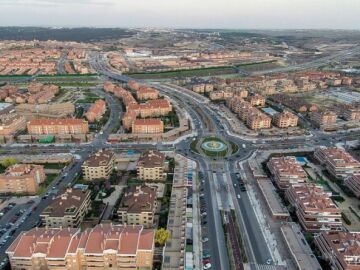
213, 146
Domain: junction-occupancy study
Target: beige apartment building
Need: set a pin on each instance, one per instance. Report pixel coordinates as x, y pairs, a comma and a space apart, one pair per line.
285, 119
337, 161
314, 208
10, 124
340, 249
22, 178
138, 206
257, 120
106, 246
151, 166
256, 100
57, 126
324, 118
99, 165
147, 126
353, 183
67, 209
286, 171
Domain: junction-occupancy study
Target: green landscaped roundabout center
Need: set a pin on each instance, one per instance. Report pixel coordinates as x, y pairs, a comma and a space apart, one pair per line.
214, 146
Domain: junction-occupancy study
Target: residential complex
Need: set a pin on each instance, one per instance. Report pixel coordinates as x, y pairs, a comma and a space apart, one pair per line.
151, 166
314, 208
147, 126
22, 179
99, 165
68, 209
337, 161
138, 206
10, 124
324, 119
106, 246
256, 100
57, 126
353, 183
285, 119
96, 111
340, 249
56, 110
286, 171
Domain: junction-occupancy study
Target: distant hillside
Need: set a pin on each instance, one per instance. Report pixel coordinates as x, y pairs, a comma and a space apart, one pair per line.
63, 34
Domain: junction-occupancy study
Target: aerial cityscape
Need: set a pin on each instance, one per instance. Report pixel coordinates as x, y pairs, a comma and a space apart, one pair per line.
170, 144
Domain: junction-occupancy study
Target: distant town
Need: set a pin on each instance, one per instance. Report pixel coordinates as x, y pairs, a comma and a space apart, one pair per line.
179, 149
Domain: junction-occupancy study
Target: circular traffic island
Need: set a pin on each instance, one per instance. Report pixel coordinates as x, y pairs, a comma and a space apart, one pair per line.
214, 147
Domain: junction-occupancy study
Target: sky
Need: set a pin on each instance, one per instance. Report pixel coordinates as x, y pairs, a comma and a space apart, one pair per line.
235, 14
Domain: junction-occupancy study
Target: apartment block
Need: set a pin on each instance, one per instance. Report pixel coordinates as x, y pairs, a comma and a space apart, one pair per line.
337, 161
96, 111
257, 120
138, 206
256, 100
99, 165
57, 126
353, 183
145, 93
22, 178
106, 246
151, 166
147, 126
340, 249
285, 119
314, 208
57, 110
286, 171
324, 118
67, 209
12, 123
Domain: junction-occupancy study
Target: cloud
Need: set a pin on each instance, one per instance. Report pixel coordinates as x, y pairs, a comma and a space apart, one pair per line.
56, 2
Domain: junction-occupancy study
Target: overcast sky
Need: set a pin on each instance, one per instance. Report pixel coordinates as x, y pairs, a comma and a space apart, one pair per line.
339, 14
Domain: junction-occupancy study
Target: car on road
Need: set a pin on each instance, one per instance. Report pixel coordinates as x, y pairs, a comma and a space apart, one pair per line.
205, 239
207, 266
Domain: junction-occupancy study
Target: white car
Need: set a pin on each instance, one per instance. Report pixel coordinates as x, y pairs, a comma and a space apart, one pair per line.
205, 239
207, 266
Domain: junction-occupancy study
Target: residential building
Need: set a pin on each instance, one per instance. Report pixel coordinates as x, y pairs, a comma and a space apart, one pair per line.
337, 161
324, 119
286, 171
68, 209
146, 126
12, 123
151, 166
106, 246
285, 119
99, 165
300, 250
96, 111
256, 100
314, 208
22, 178
353, 183
138, 206
57, 126
257, 120
340, 249
56, 110
145, 93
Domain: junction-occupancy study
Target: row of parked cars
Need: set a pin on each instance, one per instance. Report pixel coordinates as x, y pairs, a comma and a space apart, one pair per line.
206, 257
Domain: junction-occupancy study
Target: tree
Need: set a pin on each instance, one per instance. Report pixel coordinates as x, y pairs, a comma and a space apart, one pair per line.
7, 162
161, 236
